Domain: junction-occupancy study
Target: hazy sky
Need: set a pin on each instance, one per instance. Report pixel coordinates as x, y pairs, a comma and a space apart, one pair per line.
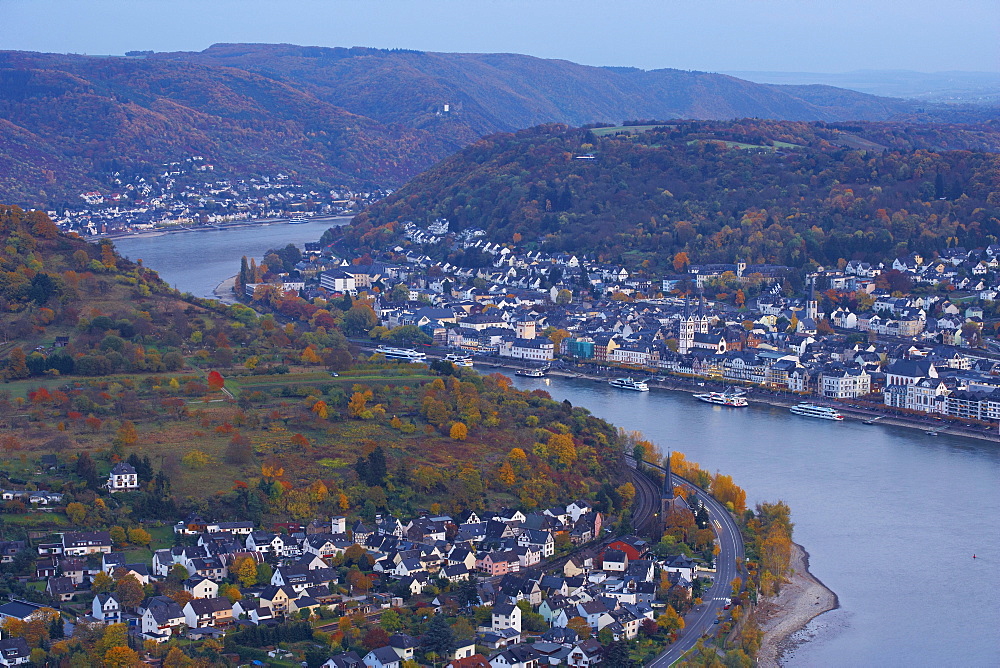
713, 35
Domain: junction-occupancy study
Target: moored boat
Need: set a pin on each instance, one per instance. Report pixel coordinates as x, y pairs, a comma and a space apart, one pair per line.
458, 359
629, 384
531, 373
723, 399
812, 410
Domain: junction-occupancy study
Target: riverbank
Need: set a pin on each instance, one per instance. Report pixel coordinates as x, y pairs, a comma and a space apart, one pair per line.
224, 291
801, 600
781, 400
159, 232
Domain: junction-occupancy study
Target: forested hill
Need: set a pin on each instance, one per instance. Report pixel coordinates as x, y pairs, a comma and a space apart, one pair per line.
764, 191
355, 116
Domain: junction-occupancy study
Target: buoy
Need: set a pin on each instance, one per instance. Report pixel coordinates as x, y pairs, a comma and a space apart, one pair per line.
973, 556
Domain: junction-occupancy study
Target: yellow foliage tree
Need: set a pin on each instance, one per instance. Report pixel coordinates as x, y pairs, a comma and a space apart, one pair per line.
459, 432
321, 409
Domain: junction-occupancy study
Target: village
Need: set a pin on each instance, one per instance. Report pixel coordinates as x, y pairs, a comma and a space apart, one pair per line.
544, 588
909, 338
188, 193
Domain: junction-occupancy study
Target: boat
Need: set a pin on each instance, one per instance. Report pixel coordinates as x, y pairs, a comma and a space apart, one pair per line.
458, 359
298, 220
401, 354
812, 410
727, 398
531, 373
629, 384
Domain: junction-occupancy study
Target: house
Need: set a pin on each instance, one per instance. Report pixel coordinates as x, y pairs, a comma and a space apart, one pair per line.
123, 478
633, 546
14, 651
404, 645
345, 660
382, 657
615, 560
254, 610
106, 608
60, 588
471, 661
586, 654
86, 542
203, 612
278, 597
516, 656
200, 587
160, 617
506, 616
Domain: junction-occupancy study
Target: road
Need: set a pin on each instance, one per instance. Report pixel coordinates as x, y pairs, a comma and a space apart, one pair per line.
728, 564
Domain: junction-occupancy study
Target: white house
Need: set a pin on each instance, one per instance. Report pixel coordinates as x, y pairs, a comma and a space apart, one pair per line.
123, 478
506, 616
106, 608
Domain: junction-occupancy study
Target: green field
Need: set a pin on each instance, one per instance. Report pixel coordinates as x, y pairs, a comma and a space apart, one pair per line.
629, 129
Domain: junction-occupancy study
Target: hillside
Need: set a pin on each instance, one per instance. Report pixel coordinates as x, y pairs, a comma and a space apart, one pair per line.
101, 361
764, 191
362, 117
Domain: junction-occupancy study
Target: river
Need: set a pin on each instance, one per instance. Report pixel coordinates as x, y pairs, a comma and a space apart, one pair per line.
890, 516
197, 262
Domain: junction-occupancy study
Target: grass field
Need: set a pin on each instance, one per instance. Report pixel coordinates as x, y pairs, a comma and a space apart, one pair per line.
629, 129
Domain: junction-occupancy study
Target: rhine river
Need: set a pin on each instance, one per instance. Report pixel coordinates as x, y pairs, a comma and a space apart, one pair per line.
890, 516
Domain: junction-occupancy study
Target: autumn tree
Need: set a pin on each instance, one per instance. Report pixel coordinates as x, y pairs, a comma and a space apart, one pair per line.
239, 450
459, 432
215, 381
245, 570
130, 593
681, 262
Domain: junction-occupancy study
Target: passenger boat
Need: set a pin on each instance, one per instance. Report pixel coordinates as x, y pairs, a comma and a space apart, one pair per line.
298, 220
401, 354
458, 359
532, 373
727, 398
812, 410
629, 384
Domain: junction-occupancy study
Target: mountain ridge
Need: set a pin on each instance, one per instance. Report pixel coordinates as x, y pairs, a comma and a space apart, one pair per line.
355, 116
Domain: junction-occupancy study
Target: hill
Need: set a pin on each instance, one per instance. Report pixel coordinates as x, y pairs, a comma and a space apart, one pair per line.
764, 191
357, 116
238, 416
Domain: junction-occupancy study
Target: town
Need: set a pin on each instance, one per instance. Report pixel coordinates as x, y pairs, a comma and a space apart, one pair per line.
908, 338
188, 193
543, 588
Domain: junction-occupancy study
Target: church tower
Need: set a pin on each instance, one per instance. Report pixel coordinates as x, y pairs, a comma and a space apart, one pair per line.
812, 307
674, 510
685, 333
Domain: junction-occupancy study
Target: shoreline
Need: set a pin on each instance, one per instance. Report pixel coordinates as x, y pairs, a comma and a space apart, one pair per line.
261, 222
801, 600
224, 291
756, 395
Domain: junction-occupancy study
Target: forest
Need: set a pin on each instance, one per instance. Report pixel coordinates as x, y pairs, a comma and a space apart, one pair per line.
779, 192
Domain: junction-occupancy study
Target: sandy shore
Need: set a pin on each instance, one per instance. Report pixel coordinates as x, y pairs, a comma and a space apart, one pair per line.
224, 291
802, 599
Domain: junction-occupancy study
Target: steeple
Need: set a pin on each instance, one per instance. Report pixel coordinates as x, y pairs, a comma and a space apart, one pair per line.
668, 487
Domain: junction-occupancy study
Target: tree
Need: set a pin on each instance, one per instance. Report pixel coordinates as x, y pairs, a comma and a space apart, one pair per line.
359, 320
321, 409
564, 297
129, 592
118, 536
459, 432
681, 262
215, 381
126, 435
374, 638
17, 364
438, 638
239, 450
245, 570
139, 536
195, 460
580, 625
102, 583
121, 657
76, 512
616, 654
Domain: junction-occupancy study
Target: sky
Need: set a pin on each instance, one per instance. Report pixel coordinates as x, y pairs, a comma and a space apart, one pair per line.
709, 35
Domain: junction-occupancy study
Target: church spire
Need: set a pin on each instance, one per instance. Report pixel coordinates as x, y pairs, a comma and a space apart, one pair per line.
668, 486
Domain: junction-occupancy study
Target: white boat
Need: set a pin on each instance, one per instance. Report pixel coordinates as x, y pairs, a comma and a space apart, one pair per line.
734, 399
531, 373
629, 384
401, 354
298, 220
458, 359
812, 410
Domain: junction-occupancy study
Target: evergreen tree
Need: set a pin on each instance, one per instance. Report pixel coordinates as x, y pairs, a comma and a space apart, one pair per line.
439, 637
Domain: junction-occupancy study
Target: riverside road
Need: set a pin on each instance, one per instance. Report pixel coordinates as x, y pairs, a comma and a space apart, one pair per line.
728, 564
